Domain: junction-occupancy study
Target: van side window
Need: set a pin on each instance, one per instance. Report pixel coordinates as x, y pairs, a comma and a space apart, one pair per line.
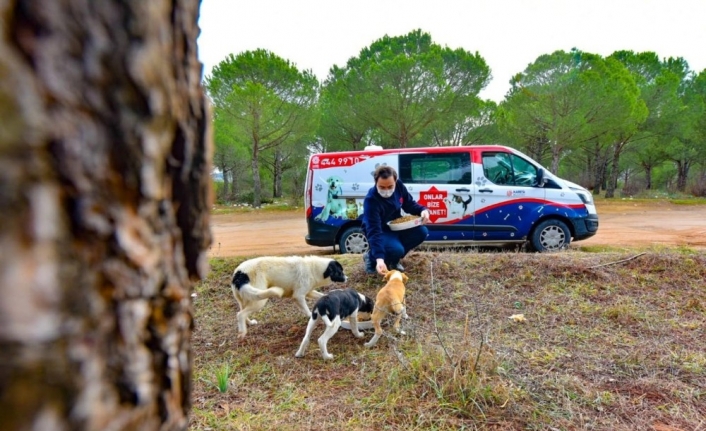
440, 168
508, 169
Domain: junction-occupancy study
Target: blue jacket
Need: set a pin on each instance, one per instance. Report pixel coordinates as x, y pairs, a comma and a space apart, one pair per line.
377, 211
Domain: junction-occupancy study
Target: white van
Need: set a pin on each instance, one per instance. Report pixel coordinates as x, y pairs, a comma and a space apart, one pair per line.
476, 195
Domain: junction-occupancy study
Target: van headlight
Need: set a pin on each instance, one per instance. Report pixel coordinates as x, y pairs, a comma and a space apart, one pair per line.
585, 196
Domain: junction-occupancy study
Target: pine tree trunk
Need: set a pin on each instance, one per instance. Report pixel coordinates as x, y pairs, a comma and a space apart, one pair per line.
682, 174
226, 192
648, 176
597, 180
104, 199
256, 183
615, 170
556, 154
277, 192
601, 165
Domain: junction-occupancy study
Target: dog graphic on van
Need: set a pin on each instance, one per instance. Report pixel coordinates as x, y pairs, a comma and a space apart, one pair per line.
335, 206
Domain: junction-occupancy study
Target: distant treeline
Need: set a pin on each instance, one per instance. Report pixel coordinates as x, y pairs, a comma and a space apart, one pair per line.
626, 123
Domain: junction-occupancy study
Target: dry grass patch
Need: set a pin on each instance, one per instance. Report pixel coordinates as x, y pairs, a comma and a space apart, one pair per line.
610, 341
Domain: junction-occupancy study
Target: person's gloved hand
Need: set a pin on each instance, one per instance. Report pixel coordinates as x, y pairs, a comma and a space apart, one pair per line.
425, 216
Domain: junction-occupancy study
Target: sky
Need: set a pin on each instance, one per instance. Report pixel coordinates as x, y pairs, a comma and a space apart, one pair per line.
509, 34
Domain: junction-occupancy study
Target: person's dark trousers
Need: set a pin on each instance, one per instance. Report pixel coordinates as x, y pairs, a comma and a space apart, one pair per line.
398, 243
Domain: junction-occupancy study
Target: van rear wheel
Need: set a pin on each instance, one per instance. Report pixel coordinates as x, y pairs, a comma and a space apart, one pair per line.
353, 240
551, 235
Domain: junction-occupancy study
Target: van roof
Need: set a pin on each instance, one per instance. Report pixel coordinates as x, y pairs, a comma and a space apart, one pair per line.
377, 151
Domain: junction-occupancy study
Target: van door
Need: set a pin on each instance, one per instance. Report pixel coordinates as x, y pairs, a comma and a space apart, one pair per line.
442, 182
507, 197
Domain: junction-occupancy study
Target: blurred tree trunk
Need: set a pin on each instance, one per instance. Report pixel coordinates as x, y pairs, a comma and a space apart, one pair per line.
104, 198
648, 175
683, 167
278, 169
614, 172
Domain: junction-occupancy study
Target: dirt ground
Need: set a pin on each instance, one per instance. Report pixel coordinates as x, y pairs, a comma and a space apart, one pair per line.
621, 223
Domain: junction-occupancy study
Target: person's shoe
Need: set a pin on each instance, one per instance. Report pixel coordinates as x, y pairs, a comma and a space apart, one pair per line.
369, 268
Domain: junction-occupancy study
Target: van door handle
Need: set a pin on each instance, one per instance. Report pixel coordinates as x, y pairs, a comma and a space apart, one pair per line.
485, 190
463, 190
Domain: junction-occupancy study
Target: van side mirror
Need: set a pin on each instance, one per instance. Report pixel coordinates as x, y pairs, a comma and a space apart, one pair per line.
541, 181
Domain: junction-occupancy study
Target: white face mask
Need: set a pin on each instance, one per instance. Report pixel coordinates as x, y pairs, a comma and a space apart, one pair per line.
386, 193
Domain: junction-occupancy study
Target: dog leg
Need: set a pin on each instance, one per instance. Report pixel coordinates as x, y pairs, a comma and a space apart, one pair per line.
354, 326
324, 213
397, 323
328, 333
326, 320
376, 318
307, 337
301, 302
245, 313
314, 294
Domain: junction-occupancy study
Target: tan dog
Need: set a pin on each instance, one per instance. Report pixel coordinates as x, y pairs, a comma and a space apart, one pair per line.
389, 300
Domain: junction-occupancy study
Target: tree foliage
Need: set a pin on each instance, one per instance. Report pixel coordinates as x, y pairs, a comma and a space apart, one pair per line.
598, 121
568, 101
397, 88
262, 102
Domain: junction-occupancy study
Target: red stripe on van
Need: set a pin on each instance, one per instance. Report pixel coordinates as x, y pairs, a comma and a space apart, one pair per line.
536, 201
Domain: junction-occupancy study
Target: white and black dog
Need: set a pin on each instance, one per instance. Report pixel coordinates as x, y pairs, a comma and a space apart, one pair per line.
335, 206
331, 308
257, 280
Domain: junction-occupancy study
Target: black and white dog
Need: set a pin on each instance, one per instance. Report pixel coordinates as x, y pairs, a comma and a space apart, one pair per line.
331, 308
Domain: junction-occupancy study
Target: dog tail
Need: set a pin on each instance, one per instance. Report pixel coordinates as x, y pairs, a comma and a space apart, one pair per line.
241, 283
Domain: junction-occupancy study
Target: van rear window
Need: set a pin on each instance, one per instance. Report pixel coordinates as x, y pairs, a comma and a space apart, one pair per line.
442, 168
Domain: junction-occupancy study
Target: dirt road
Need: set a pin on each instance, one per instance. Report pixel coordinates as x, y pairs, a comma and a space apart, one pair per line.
622, 223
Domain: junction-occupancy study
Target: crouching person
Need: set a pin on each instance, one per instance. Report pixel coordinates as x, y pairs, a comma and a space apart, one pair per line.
382, 204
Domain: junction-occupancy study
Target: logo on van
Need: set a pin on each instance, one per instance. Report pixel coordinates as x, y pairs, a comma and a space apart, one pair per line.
434, 200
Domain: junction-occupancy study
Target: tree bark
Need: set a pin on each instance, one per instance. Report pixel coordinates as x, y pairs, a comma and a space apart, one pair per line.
600, 176
104, 200
615, 170
257, 184
556, 155
683, 167
278, 169
648, 175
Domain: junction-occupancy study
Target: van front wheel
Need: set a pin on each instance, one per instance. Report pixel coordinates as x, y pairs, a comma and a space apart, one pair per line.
353, 240
551, 235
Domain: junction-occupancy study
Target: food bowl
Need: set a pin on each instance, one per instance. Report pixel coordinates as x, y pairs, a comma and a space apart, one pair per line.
364, 324
405, 222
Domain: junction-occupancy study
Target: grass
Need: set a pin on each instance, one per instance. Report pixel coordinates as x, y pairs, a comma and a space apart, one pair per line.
613, 340
223, 377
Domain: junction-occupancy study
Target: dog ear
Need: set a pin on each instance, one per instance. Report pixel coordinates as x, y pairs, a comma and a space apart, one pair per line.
387, 275
404, 277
